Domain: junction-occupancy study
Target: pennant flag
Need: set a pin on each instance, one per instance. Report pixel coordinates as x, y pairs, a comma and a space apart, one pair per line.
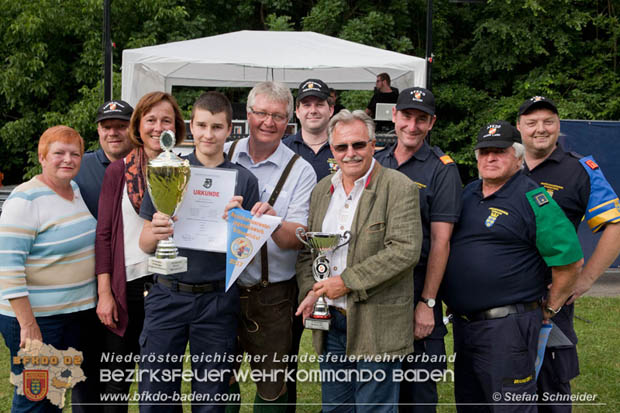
542, 344
246, 235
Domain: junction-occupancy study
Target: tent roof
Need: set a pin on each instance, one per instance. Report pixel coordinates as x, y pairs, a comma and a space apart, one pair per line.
244, 58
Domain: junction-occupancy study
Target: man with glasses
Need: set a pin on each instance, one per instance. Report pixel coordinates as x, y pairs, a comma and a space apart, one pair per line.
369, 291
268, 283
314, 108
437, 178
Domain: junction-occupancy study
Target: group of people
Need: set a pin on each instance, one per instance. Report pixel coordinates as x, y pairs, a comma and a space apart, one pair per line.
502, 254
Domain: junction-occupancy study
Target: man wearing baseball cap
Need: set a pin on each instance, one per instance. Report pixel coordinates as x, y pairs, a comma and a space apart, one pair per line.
578, 185
509, 234
438, 181
314, 108
112, 126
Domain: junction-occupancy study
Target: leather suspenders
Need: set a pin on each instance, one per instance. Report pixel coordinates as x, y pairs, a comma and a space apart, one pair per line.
264, 282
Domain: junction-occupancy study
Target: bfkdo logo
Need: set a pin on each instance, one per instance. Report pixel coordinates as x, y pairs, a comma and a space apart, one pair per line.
35, 384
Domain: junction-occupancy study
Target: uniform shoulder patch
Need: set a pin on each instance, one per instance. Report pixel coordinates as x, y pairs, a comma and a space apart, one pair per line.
593, 165
446, 159
541, 199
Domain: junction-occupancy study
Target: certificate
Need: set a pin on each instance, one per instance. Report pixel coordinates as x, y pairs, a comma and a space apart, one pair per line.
200, 225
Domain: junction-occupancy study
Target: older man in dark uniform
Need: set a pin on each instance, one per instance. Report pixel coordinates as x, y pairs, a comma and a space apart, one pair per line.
510, 232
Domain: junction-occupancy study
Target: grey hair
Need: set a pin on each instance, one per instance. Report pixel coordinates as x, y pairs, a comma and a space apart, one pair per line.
346, 116
274, 91
519, 152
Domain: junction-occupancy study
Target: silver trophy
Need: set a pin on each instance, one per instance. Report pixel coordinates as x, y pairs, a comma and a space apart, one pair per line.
321, 243
167, 177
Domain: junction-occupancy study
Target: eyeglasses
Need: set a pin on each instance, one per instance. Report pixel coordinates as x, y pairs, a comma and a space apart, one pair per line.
355, 145
277, 117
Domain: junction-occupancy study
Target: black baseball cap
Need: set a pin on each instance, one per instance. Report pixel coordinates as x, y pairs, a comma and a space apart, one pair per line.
537, 102
499, 134
114, 109
313, 87
416, 98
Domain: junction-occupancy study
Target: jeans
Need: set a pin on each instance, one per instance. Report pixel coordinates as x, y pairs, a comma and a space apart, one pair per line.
356, 386
61, 331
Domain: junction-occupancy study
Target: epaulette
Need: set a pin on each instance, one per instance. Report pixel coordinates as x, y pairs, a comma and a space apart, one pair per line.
445, 159
575, 155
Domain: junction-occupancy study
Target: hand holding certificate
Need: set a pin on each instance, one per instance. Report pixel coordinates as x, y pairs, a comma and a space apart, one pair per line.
200, 225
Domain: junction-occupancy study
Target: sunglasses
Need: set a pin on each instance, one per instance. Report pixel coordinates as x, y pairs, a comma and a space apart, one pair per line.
357, 146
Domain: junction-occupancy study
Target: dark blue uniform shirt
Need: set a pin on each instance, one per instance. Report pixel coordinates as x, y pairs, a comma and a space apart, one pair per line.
206, 266
437, 178
566, 181
494, 260
90, 178
323, 161
580, 189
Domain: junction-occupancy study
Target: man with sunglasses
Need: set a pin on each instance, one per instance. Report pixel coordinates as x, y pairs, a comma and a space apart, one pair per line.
437, 178
267, 285
369, 291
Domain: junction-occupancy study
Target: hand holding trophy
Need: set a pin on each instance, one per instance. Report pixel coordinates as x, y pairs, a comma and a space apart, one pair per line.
321, 243
167, 178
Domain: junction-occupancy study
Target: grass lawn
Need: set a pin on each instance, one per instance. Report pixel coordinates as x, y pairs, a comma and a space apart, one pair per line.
599, 341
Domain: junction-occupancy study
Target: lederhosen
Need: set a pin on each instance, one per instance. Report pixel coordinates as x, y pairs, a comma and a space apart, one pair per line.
267, 313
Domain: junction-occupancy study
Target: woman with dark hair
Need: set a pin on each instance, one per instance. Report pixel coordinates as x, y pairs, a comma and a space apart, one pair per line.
121, 266
47, 262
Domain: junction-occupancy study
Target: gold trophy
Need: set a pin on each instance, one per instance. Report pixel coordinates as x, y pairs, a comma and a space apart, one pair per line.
321, 243
167, 177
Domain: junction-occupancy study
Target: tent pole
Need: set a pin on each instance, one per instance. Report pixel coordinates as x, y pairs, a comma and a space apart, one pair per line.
429, 42
107, 52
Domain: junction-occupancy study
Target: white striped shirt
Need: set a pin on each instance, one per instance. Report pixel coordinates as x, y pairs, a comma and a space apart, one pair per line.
47, 251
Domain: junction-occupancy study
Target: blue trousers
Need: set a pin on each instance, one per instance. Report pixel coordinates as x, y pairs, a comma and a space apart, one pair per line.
421, 396
172, 319
61, 331
560, 365
343, 395
495, 363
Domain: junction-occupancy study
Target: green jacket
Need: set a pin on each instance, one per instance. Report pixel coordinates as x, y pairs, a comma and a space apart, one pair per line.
385, 246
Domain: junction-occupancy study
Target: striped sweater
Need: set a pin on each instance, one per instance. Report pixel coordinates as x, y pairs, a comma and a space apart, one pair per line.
47, 251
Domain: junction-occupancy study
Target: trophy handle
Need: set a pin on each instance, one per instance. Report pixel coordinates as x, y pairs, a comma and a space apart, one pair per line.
346, 237
300, 233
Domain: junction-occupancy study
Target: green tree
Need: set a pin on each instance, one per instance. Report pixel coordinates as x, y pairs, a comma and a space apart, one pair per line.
488, 57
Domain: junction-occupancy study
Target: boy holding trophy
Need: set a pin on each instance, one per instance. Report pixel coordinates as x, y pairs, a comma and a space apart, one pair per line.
193, 305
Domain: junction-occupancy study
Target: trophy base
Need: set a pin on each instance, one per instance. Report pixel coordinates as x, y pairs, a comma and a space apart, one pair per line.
317, 323
167, 266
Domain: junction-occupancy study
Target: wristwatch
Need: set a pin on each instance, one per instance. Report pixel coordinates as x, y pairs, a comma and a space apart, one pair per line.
551, 311
430, 302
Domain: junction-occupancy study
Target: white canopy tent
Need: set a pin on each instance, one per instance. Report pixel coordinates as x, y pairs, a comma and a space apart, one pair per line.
244, 58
